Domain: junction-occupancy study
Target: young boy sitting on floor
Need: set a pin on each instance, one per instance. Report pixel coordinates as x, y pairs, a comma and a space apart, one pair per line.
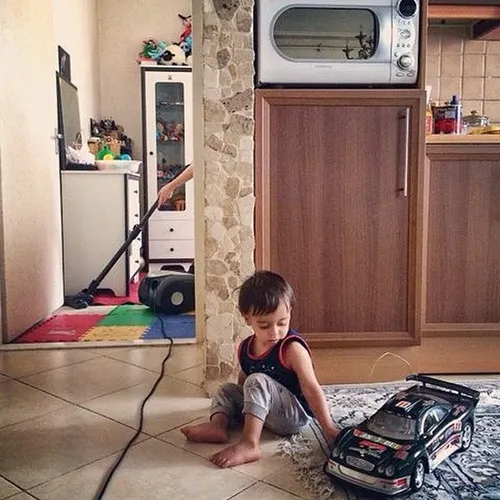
277, 387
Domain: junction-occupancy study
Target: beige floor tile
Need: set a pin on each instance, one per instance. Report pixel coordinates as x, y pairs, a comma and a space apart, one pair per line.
193, 375
43, 448
183, 357
7, 489
22, 363
173, 403
19, 402
22, 496
3, 378
154, 470
270, 462
264, 491
90, 379
286, 480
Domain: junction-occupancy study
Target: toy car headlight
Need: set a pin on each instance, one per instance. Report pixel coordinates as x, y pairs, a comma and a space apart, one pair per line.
336, 452
381, 469
390, 470
342, 455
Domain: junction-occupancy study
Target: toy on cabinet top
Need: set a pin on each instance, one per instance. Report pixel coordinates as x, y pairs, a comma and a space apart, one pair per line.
411, 434
186, 38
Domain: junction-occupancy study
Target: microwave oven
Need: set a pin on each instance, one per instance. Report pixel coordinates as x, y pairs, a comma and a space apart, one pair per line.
337, 42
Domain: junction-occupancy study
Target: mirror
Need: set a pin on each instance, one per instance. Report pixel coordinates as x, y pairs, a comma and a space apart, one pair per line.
68, 113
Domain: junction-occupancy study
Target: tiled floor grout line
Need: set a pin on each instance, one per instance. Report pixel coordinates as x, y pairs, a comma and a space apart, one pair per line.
78, 405
18, 378
86, 465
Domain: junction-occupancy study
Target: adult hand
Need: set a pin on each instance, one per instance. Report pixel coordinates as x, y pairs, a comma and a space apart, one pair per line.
165, 194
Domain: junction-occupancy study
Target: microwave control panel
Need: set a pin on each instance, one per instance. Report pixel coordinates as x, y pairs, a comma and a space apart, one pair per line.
405, 42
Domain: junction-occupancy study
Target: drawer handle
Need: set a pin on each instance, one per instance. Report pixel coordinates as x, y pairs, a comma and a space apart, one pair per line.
171, 229
136, 192
136, 215
172, 249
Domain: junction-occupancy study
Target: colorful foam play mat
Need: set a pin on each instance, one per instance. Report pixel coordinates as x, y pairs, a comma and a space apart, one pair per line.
129, 322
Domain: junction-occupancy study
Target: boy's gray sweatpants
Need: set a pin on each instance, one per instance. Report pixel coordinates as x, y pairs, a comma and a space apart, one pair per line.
264, 398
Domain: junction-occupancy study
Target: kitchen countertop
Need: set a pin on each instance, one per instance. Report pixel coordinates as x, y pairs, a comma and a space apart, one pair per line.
463, 147
463, 139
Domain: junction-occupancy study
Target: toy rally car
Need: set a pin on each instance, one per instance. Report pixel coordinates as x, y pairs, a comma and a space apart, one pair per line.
409, 436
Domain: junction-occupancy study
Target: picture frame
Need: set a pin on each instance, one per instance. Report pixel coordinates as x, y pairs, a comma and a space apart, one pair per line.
64, 63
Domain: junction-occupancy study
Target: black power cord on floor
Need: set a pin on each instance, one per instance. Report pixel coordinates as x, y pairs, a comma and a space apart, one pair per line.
105, 482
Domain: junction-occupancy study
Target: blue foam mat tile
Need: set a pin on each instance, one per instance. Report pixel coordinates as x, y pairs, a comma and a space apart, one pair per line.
177, 327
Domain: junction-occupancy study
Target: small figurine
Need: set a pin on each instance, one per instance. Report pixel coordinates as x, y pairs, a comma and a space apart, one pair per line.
186, 38
411, 434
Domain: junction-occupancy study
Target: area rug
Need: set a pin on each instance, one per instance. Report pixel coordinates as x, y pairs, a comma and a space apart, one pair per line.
123, 323
472, 475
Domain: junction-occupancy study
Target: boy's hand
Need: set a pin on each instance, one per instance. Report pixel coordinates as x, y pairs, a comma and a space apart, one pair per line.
331, 436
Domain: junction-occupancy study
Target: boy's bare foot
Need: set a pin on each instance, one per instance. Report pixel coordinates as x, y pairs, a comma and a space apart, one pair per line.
240, 453
207, 432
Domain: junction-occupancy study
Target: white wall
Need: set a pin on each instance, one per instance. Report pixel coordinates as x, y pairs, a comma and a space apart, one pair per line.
31, 271
31, 282
75, 30
121, 31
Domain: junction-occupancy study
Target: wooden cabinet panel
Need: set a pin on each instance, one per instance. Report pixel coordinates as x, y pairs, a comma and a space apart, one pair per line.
331, 213
463, 284
339, 224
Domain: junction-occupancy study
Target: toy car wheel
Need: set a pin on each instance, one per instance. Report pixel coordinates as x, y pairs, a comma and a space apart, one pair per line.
466, 436
418, 476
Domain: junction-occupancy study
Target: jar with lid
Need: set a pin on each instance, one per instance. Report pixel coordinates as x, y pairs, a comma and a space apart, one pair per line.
475, 123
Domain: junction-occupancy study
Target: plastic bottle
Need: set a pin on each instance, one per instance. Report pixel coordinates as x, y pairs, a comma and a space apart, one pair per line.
455, 103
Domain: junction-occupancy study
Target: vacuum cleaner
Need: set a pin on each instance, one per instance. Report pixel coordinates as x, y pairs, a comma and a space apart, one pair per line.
167, 292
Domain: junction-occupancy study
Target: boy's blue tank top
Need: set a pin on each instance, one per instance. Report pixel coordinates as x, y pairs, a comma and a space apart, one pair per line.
271, 363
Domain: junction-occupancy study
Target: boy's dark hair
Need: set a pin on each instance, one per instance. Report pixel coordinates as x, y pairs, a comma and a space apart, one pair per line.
262, 293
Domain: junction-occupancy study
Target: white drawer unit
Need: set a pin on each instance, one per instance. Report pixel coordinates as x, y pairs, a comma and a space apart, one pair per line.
99, 210
171, 250
171, 230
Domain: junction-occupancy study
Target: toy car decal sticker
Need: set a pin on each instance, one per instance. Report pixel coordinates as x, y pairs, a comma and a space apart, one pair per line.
363, 451
376, 439
372, 445
405, 405
401, 454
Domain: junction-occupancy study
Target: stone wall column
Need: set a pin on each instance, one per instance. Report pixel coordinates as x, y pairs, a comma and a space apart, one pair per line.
228, 100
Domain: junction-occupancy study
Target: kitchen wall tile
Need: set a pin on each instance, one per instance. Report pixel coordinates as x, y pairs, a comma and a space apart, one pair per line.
434, 41
493, 47
434, 66
468, 106
492, 110
451, 65
474, 65
493, 65
474, 46
492, 89
473, 88
452, 40
450, 87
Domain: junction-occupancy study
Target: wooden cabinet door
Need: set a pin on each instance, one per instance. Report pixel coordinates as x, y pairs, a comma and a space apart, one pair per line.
463, 285
333, 207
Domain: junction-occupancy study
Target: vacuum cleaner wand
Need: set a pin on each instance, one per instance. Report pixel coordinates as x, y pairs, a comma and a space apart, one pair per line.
84, 298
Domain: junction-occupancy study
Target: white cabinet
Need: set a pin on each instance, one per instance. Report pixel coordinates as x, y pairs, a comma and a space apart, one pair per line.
168, 148
99, 210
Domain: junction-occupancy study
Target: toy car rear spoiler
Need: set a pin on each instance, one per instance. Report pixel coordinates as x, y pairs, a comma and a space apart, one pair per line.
459, 389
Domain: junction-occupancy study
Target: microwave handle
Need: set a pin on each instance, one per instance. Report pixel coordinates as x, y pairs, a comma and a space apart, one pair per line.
405, 115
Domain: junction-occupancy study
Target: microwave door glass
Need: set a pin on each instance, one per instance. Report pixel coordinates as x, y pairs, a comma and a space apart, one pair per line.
334, 34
